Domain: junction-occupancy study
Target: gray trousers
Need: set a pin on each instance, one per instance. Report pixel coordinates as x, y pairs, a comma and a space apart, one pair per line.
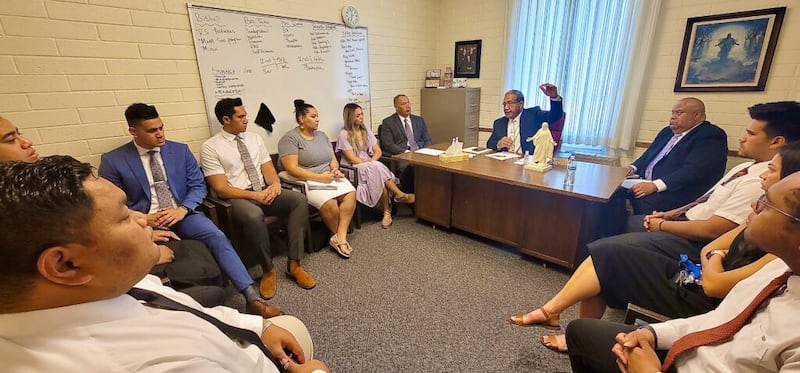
248, 216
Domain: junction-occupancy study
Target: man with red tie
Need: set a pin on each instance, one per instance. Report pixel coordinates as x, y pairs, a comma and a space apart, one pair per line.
753, 329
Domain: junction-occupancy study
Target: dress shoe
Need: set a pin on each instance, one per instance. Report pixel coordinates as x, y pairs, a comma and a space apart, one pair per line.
268, 284
262, 308
303, 278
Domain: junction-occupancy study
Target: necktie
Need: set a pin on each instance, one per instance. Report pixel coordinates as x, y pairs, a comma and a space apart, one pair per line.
726, 330
514, 126
648, 171
412, 144
249, 167
705, 197
156, 300
163, 195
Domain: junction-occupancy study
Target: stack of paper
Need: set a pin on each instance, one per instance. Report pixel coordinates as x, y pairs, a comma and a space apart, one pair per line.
316, 185
477, 150
503, 155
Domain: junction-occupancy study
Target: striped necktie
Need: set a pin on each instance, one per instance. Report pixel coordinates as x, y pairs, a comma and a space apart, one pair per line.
249, 167
727, 330
163, 194
681, 211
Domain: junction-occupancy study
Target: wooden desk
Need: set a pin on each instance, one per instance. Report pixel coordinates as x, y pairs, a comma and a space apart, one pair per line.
499, 200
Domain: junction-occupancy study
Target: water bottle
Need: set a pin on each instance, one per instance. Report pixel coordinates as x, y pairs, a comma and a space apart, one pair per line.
527, 159
572, 165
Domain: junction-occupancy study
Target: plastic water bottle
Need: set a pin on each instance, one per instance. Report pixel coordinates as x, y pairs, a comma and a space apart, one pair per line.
527, 159
572, 165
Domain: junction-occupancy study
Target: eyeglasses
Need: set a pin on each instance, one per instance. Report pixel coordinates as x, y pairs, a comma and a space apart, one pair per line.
509, 103
762, 204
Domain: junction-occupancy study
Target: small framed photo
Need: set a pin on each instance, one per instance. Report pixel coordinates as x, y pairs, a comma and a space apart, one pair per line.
468, 59
728, 52
433, 73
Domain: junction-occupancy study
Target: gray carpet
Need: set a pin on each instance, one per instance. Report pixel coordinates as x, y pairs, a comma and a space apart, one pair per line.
413, 298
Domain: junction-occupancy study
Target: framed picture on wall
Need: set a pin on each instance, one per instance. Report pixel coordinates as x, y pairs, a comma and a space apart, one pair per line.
728, 52
468, 59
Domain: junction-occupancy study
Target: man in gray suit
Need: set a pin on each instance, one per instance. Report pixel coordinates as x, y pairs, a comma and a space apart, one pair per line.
402, 132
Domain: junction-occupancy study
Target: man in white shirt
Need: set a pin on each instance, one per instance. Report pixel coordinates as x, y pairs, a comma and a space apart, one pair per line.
509, 132
767, 342
238, 168
65, 306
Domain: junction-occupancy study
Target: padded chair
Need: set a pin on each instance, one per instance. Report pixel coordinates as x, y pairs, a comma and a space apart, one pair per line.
555, 129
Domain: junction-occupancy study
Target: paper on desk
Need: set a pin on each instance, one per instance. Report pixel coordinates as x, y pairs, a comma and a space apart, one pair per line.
429, 151
629, 183
503, 155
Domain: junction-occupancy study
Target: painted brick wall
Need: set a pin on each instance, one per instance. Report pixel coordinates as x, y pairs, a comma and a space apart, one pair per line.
68, 69
726, 109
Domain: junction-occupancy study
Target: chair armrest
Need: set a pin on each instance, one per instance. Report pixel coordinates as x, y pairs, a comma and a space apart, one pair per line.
635, 315
222, 211
296, 186
209, 210
350, 172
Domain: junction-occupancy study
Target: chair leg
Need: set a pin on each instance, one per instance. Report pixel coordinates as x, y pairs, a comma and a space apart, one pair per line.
358, 215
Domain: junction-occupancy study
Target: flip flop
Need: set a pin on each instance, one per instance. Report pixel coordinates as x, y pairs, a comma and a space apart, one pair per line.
518, 320
336, 245
387, 221
551, 342
408, 198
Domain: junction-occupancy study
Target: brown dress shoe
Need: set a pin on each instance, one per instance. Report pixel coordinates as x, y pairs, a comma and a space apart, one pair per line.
268, 284
303, 278
262, 308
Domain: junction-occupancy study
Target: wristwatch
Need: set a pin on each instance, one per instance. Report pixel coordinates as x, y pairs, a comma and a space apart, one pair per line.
711, 253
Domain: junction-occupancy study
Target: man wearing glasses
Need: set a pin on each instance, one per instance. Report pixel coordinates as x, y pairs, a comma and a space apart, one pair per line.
517, 124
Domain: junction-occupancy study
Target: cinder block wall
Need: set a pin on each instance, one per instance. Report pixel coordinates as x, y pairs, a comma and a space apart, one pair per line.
68, 69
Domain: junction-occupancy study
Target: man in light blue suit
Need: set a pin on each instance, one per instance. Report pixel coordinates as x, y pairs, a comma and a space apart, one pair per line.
510, 132
162, 179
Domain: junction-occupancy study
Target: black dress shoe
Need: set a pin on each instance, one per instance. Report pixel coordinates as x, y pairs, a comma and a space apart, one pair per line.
262, 308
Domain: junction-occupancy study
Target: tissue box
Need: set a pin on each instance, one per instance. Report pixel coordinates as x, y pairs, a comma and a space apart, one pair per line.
453, 157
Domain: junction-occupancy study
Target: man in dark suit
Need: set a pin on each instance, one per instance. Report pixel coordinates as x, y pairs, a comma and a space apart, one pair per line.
683, 162
162, 180
509, 133
394, 135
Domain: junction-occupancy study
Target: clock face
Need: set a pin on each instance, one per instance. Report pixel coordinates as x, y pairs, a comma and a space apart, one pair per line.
350, 16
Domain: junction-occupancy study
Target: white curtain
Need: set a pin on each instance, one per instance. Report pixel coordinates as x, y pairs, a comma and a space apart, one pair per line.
595, 51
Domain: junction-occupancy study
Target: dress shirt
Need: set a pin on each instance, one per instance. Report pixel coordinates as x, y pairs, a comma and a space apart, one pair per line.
145, 157
732, 200
768, 343
123, 335
513, 133
220, 156
660, 184
410, 125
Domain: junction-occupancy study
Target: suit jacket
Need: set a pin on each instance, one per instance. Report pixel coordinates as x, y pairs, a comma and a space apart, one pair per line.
530, 121
691, 168
392, 134
123, 167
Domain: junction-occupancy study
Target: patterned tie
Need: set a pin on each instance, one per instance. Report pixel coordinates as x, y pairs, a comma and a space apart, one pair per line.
163, 195
726, 330
249, 167
648, 171
515, 137
156, 300
681, 211
412, 144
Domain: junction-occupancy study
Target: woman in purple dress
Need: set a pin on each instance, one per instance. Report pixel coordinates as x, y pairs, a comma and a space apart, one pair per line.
360, 150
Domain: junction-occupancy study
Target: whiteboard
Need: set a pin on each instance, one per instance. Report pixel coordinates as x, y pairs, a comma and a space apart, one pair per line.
275, 60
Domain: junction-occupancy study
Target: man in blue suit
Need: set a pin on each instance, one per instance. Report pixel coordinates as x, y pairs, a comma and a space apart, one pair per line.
402, 132
686, 158
510, 132
162, 180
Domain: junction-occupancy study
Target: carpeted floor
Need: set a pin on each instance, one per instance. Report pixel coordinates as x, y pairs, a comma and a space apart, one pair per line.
414, 298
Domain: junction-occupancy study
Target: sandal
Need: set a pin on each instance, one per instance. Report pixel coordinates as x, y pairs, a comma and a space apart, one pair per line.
557, 343
519, 320
337, 246
387, 220
409, 198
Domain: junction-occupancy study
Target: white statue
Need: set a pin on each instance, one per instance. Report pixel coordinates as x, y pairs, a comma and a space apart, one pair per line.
544, 145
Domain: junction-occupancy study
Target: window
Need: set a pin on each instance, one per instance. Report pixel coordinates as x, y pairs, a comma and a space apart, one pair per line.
595, 52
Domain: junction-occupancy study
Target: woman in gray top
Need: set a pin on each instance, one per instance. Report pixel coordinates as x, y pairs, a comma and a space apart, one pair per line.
306, 155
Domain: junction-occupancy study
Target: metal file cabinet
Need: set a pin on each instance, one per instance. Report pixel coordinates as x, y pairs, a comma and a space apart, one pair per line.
451, 112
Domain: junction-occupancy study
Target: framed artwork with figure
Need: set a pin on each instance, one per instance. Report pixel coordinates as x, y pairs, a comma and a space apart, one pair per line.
728, 52
468, 59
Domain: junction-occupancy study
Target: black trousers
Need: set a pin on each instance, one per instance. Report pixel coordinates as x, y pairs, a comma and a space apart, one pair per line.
590, 342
